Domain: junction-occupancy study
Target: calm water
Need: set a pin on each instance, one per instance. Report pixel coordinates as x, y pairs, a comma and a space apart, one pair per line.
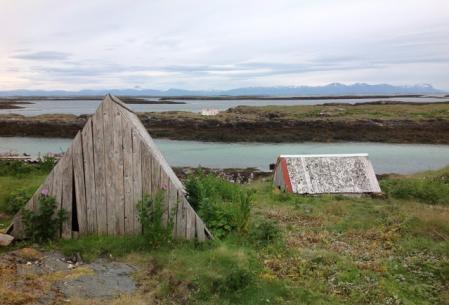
386, 158
78, 107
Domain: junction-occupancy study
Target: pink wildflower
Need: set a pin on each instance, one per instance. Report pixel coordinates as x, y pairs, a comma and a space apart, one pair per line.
44, 192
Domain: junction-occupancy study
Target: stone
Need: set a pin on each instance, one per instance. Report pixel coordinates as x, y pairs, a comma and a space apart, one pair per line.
5, 239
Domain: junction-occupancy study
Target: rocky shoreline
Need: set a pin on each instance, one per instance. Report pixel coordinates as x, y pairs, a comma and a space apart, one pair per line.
381, 122
430, 131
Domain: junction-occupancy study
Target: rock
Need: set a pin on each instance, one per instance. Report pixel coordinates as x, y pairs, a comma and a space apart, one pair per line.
5, 239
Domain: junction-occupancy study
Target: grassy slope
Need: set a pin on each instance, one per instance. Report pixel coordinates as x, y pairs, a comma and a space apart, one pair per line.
333, 250
314, 112
300, 112
9, 184
350, 112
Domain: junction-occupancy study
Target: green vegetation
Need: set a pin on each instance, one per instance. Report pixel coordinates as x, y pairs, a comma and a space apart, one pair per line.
287, 249
43, 224
157, 229
349, 112
18, 181
17, 199
345, 112
224, 207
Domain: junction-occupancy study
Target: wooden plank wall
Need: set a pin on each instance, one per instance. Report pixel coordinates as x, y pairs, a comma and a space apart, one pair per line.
100, 225
111, 164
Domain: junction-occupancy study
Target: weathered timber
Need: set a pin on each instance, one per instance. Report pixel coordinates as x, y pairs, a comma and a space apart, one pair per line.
111, 164
99, 172
89, 178
80, 189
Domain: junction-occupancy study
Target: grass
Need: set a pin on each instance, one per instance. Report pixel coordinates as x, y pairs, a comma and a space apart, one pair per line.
321, 250
18, 177
350, 112
8, 185
345, 112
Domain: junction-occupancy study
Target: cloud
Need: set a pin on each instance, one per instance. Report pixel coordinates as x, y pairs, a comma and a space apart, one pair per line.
42, 55
221, 44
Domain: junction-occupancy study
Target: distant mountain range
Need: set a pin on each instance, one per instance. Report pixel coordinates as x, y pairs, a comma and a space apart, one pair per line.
330, 89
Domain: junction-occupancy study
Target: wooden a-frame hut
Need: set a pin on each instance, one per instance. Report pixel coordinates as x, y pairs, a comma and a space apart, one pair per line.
111, 163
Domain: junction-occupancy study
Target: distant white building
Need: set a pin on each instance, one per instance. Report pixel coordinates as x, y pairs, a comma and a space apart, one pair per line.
325, 174
210, 111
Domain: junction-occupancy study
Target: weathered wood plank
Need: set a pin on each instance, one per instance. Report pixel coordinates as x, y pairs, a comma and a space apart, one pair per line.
117, 181
172, 203
181, 216
200, 235
108, 117
155, 176
33, 202
146, 170
89, 177
49, 182
67, 192
164, 187
57, 184
137, 179
190, 221
128, 176
99, 171
80, 188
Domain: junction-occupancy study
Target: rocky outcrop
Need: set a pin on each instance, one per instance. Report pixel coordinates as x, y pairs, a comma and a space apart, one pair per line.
5, 240
240, 128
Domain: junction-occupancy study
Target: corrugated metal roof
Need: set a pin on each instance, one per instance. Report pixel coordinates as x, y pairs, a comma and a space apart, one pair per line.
318, 174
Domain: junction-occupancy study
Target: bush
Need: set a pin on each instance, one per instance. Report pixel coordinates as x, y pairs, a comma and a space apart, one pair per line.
424, 190
17, 200
20, 168
44, 224
47, 163
265, 232
155, 231
15, 168
224, 207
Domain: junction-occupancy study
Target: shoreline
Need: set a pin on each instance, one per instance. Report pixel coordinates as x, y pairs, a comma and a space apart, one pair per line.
218, 97
383, 122
400, 132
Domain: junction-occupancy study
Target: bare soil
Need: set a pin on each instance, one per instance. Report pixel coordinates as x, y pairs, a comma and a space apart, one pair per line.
29, 276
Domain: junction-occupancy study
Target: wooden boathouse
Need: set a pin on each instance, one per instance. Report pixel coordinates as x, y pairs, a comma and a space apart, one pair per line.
110, 165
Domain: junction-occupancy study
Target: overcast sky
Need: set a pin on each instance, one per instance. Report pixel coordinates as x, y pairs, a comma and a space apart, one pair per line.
54, 44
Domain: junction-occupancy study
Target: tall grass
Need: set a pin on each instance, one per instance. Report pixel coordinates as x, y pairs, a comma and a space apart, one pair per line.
425, 190
224, 207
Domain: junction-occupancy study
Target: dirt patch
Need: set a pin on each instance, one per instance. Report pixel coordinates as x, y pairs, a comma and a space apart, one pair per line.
28, 276
294, 219
104, 280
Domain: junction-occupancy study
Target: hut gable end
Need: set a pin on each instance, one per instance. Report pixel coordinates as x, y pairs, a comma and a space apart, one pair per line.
111, 164
331, 174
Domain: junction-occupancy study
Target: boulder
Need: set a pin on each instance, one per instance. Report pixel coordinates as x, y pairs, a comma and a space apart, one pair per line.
5, 239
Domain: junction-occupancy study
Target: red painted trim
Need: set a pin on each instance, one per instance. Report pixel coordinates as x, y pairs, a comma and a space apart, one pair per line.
288, 183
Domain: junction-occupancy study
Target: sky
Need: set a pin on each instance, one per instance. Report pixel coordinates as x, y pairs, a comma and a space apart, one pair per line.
107, 44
